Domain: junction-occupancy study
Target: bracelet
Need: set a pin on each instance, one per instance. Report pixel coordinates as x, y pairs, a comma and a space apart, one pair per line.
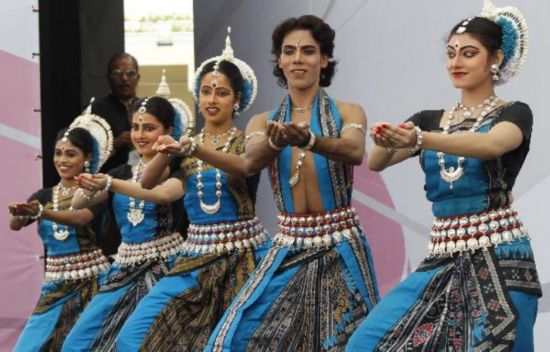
252, 135
389, 150
87, 198
191, 149
22, 217
419, 141
273, 145
356, 126
38, 215
311, 141
108, 185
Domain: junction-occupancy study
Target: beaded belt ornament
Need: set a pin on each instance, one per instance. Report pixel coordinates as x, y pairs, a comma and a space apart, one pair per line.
457, 234
317, 230
76, 266
224, 237
159, 248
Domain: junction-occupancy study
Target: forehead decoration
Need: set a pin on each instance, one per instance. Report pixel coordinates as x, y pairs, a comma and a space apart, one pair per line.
250, 82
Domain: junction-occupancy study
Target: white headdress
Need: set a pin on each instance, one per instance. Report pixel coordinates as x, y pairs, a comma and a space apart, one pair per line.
184, 121
250, 86
515, 37
101, 134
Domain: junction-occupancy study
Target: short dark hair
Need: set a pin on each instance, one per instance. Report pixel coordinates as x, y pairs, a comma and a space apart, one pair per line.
487, 32
79, 137
159, 107
320, 31
119, 56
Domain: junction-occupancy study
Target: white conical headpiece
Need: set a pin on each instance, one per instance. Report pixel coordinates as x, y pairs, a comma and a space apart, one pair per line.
163, 89
101, 132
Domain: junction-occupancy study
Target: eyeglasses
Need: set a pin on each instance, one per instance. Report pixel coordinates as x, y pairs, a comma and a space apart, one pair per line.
120, 73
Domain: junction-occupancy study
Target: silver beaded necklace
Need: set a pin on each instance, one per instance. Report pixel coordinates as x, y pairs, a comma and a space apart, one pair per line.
212, 208
453, 174
60, 233
66, 191
136, 215
216, 138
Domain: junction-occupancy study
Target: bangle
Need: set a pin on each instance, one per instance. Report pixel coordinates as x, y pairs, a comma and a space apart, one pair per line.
22, 217
273, 145
38, 215
191, 149
356, 126
108, 184
419, 141
311, 141
389, 150
87, 198
252, 135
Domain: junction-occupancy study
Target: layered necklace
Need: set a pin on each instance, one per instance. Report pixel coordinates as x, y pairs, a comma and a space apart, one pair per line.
212, 208
136, 215
60, 233
453, 174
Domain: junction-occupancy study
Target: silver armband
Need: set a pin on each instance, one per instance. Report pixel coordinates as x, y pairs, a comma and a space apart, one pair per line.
252, 135
356, 126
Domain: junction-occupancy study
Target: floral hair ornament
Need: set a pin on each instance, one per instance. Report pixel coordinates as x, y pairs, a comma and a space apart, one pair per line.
184, 120
102, 136
515, 37
250, 84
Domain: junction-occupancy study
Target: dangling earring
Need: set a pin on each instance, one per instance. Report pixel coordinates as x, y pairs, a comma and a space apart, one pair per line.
494, 71
86, 166
236, 108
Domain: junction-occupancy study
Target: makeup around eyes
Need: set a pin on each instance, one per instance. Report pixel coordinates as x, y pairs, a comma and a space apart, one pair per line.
306, 49
146, 126
69, 153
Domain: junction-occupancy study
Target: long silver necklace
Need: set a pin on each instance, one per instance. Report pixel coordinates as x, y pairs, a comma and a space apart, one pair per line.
136, 215
293, 181
212, 208
453, 174
60, 233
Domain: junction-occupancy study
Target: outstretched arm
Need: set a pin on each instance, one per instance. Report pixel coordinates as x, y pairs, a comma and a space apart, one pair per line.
167, 192
383, 154
259, 151
348, 148
75, 218
156, 170
502, 138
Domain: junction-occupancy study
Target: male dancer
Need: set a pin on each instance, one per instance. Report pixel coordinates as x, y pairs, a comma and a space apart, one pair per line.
317, 282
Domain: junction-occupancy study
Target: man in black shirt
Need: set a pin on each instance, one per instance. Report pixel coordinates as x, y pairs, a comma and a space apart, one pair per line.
123, 78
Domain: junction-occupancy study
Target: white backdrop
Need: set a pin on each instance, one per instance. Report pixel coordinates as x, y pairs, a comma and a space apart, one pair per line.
392, 61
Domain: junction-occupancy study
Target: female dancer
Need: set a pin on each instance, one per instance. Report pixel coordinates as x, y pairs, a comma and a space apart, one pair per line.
74, 263
225, 240
149, 243
478, 288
